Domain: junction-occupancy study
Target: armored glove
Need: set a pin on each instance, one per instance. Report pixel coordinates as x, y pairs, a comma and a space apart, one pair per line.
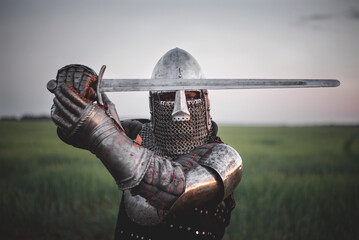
83, 79
80, 119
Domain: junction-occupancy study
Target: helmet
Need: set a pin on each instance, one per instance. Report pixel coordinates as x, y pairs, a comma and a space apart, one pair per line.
179, 124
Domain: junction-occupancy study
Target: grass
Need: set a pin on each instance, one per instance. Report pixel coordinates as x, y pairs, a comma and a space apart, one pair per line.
50, 190
298, 183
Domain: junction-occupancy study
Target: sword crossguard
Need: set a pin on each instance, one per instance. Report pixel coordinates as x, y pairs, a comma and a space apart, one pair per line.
100, 76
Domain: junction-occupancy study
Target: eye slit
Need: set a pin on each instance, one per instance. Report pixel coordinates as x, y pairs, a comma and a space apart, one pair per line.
167, 96
192, 96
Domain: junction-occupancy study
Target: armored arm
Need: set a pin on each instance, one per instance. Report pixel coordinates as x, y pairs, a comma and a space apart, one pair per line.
86, 122
209, 172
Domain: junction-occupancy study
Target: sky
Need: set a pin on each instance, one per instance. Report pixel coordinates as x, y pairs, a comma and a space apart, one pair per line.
229, 39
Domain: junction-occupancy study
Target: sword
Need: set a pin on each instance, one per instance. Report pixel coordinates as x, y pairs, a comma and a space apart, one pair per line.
125, 85
166, 84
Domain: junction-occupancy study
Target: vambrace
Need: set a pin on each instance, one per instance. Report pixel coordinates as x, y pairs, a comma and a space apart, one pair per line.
125, 160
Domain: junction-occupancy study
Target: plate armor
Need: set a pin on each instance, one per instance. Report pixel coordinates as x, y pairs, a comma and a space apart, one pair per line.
185, 135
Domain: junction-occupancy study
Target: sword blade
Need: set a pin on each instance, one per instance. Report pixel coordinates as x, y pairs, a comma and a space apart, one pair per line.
124, 85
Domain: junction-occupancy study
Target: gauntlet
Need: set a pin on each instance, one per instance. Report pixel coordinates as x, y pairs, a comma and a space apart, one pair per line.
83, 79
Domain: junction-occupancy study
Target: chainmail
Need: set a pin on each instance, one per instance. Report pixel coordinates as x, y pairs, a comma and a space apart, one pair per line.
168, 138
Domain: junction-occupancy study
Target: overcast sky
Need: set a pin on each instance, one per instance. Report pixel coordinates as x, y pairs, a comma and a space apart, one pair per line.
229, 38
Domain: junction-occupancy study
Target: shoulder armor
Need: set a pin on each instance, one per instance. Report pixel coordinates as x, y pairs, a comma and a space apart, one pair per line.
217, 175
225, 161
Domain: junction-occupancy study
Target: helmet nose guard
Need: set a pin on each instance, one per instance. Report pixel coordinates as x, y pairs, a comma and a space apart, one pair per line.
180, 111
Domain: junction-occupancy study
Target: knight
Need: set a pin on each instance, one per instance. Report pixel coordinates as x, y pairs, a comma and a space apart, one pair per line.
176, 174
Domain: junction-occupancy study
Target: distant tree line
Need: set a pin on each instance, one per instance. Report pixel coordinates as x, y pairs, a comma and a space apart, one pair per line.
25, 117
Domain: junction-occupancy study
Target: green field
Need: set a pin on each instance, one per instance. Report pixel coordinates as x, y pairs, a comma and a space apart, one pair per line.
298, 183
